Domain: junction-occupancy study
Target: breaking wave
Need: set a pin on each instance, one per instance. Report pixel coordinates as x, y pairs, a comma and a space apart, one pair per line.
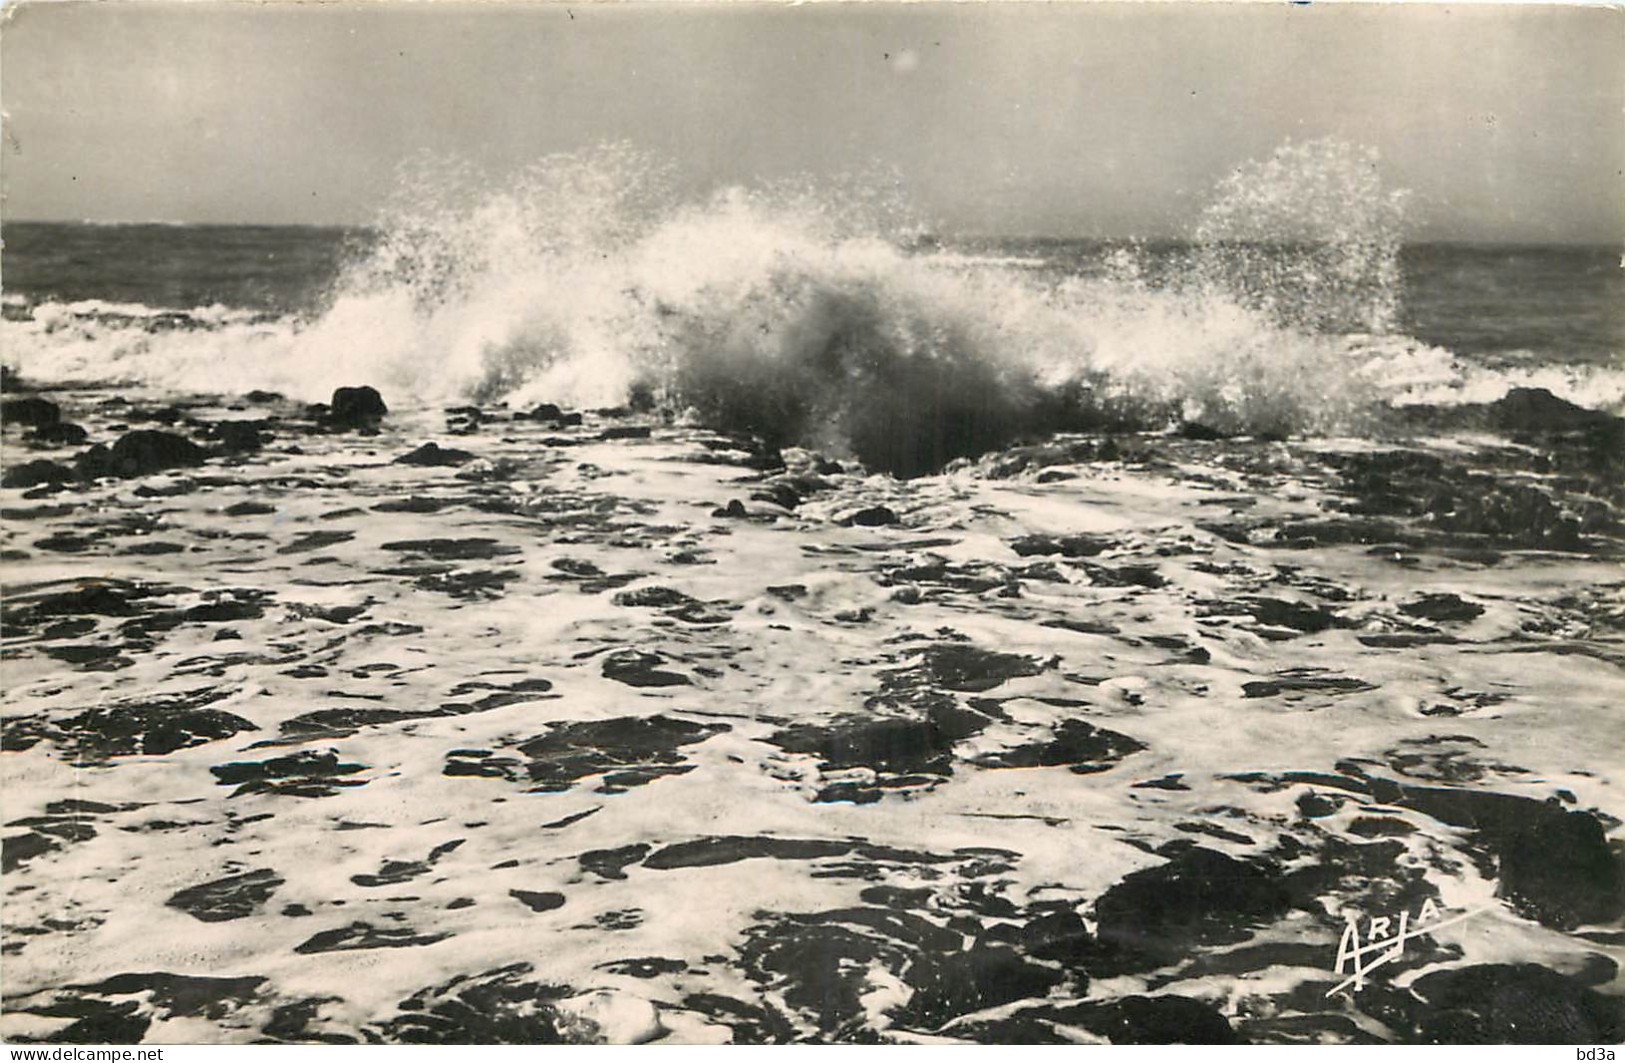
820, 316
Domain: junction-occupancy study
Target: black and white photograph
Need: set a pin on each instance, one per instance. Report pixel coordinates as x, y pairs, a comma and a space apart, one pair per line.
866, 523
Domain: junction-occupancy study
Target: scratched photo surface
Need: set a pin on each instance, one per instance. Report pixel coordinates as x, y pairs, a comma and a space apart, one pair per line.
1003, 523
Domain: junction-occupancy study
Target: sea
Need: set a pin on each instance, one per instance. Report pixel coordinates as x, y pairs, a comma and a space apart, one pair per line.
789, 312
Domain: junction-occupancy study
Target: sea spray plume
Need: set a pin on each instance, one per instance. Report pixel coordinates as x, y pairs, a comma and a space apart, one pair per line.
1295, 255
798, 326
807, 316
1309, 236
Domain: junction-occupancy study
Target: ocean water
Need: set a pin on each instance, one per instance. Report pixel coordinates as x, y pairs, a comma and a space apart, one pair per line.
828, 319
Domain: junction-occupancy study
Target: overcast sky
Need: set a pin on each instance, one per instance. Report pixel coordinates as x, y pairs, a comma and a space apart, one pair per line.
1508, 122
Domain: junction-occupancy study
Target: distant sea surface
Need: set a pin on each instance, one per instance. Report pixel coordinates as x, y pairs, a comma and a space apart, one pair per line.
1505, 305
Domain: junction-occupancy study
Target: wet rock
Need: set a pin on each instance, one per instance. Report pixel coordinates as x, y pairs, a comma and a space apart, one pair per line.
625, 431
1123, 575
494, 1007
1554, 865
538, 902
1442, 608
1538, 411
152, 728
751, 1024
30, 411
100, 1016
239, 437
1199, 897
645, 967
360, 935
730, 849
1304, 684
611, 863
950, 984
303, 774
1513, 1004
225, 899
1297, 616
963, 667
35, 473
454, 549
394, 872
140, 453
248, 509
472, 585
1065, 545
17, 849
59, 434
316, 540
654, 598
872, 517
633, 750
1142, 1020
433, 454
356, 407
640, 670
885, 744
821, 960
1084, 748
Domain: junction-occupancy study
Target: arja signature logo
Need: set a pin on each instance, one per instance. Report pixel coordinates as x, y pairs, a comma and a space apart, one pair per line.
1384, 941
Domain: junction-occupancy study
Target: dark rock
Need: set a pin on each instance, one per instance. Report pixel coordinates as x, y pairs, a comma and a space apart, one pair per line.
1159, 1020
636, 749
1199, 897
139, 453
454, 549
873, 517
34, 473
640, 670
654, 598
1269, 688
821, 960
1537, 410
1066, 545
316, 540
730, 849
625, 431
233, 897
1555, 865
31, 411
1082, 746
248, 509
956, 983
611, 863
17, 849
545, 411
734, 508
959, 666
1441, 608
59, 434
499, 1007
357, 407
154, 728
239, 437
1298, 616
538, 902
365, 936
1514, 1004
645, 967
303, 774
434, 454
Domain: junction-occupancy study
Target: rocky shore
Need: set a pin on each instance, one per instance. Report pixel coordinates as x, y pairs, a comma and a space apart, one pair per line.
355, 723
